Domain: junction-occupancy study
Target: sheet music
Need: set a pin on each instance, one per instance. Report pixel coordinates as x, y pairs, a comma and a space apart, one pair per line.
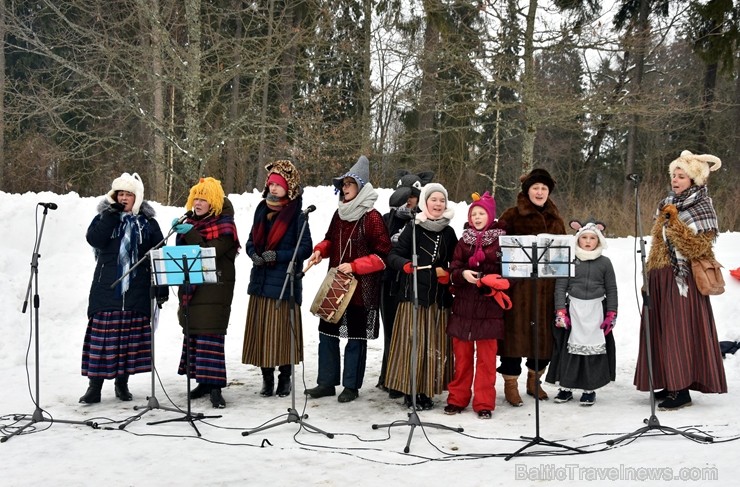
555, 254
167, 264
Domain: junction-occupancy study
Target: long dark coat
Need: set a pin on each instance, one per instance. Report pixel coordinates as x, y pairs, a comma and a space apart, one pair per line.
267, 280
527, 219
102, 235
475, 316
210, 307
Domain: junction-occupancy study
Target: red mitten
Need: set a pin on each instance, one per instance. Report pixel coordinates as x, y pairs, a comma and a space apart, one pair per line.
408, 268
443, 277
494, 281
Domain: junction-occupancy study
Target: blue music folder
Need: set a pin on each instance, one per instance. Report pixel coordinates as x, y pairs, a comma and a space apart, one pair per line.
168, 263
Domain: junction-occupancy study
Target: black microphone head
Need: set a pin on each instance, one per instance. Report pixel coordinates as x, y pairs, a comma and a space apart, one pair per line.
189, 213
310, 208
50, 206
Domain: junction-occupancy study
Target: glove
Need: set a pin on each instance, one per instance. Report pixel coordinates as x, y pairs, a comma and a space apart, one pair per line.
408, 268
494, 281
269, 256
162, 299
561, 319
257, 260
183, 228
116, 208
609, 322
443, 277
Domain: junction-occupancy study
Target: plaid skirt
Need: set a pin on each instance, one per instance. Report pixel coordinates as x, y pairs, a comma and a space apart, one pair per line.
117, 343
434, 366
207, 359
267, 334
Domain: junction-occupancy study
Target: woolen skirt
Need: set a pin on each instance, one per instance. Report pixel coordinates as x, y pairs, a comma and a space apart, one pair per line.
588, 372
117, 343
683, 339
207, 361
434, 367
267, 334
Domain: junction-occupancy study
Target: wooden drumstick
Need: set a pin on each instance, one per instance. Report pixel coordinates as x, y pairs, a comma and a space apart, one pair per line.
310, 264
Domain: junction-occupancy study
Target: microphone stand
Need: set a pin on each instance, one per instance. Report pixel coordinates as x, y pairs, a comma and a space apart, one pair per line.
652, 422
293, 416
33, 282
152, 402
413, 417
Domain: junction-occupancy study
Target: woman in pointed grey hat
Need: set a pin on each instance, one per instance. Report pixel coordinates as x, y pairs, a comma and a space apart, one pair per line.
357, 242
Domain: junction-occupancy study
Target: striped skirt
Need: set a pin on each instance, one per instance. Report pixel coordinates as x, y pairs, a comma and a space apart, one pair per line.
434, 366
683, 339
207, 359
117, 343
267, 334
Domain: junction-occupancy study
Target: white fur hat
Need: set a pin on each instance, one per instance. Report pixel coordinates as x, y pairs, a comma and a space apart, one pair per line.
131, 183
596, 228
696, 166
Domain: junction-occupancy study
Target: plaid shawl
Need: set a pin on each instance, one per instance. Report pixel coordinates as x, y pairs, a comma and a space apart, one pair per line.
210, 228
695, 209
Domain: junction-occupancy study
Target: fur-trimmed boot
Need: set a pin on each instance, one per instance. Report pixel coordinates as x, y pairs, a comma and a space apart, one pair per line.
268, 382
283, 385
533, 380
121, 386
93, 391
511, 390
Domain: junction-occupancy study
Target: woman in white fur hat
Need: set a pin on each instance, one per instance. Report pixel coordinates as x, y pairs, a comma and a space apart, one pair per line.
683, 336
118, 336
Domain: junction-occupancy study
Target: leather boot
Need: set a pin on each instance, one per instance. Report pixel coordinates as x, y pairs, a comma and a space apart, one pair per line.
533, 380
511, 390
217, 400
268, 382
93, 391
283, 386
121, 386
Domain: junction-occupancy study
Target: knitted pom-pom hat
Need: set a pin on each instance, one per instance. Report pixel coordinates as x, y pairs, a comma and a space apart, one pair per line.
487, 203
208, 189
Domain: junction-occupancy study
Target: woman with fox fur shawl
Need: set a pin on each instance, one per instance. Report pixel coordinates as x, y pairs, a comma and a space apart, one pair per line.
683, 336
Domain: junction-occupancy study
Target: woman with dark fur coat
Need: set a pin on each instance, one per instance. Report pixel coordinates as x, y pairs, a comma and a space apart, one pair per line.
533, 214
118, 336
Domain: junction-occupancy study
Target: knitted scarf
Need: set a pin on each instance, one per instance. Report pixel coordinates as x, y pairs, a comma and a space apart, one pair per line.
362, 203
210, 228
281, 217
479, 239
695, 209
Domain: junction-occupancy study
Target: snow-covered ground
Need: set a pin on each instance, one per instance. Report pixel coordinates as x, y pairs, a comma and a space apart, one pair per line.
171, 454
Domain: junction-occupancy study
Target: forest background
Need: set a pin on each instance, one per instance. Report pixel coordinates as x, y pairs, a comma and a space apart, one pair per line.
477, 91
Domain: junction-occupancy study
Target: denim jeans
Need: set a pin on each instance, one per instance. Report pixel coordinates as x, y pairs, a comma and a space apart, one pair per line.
355, 356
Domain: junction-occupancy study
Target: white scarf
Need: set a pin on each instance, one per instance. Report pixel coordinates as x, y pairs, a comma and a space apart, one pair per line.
359, 205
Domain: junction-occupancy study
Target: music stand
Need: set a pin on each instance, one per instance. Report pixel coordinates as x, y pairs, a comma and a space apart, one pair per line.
651, 423
33, 282
413, 417
293, 416
532, 259
183, 265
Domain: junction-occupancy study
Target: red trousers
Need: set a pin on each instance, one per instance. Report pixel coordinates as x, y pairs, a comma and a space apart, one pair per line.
484, 389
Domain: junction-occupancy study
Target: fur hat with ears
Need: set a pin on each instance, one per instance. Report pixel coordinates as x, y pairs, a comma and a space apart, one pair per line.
289, 173
208, 189
131, 183
409, 185
360, 172
696, 166
537, 175
597, 228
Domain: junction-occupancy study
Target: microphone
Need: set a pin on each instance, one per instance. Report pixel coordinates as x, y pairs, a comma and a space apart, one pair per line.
309, 209
50, 206
633, 177
184, 217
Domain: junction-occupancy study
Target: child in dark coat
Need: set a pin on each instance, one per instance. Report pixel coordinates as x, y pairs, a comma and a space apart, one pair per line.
477, 320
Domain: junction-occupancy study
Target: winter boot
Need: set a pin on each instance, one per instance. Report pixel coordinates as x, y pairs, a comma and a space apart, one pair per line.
268, 382
217, 400
200, 391
533, 381
676, 400
121, 386
283, 387
511, 390
93, 391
